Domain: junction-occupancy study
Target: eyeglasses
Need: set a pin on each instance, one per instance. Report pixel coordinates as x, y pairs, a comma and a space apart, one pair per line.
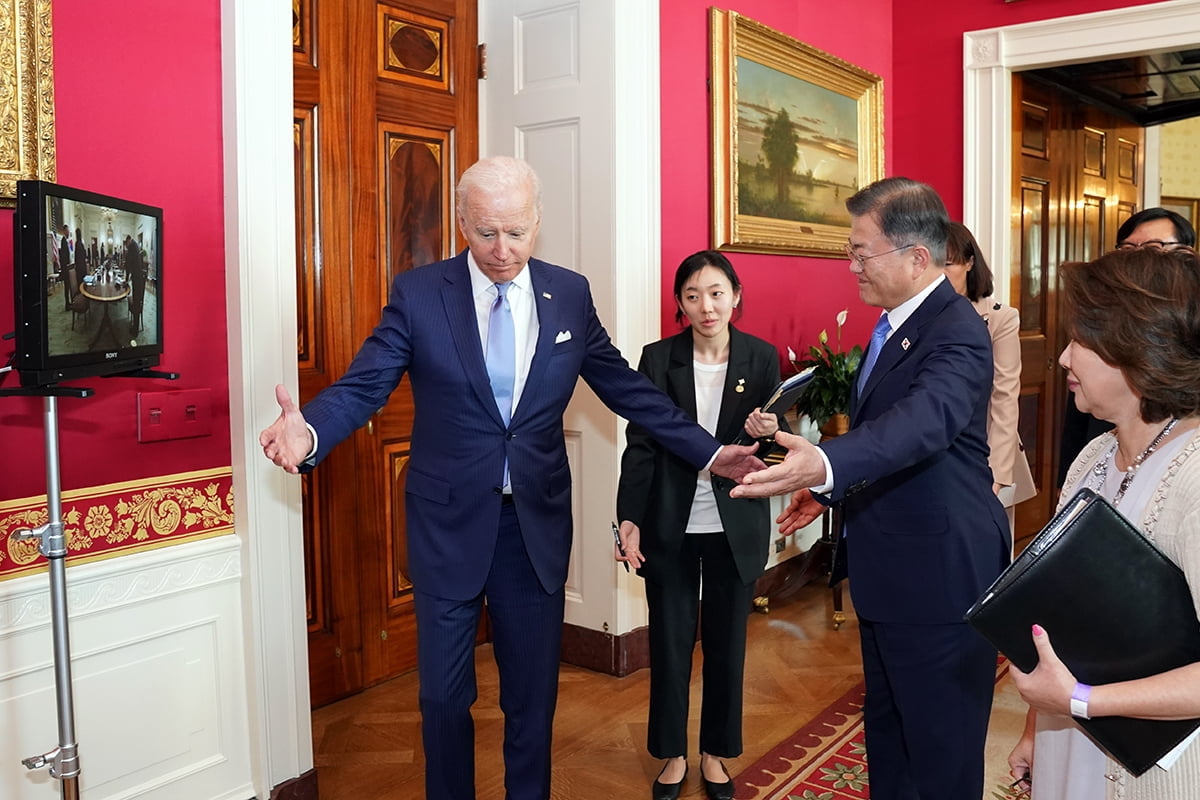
861, 260
1151, 244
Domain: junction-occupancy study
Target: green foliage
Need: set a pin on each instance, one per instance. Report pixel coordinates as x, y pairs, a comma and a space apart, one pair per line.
829, 392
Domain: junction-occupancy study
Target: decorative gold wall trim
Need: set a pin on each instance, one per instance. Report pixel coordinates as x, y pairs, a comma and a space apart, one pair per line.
119, 518
27, 144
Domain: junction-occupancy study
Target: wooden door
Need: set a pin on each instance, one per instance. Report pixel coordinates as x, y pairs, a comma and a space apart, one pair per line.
1076, 177
386, 119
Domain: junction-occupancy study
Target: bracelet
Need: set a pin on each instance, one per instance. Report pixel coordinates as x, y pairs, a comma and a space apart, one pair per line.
1079, 700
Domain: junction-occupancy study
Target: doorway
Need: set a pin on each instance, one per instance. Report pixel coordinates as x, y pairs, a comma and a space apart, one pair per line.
993, 56
385, 121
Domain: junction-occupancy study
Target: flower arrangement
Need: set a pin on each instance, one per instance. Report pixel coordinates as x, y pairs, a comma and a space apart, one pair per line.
829, 392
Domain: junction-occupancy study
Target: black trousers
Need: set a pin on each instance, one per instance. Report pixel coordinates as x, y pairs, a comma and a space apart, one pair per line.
676, 604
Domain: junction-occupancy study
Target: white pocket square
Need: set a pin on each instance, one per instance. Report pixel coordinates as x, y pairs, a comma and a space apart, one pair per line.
563, 336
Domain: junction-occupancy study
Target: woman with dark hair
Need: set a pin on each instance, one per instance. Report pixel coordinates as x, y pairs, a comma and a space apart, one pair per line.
1134, 360
677, 524
968, 273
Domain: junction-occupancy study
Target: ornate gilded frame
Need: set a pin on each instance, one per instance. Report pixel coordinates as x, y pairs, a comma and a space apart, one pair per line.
817, 224
27, 143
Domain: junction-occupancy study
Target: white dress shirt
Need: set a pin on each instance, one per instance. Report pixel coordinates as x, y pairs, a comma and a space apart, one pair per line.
524, 314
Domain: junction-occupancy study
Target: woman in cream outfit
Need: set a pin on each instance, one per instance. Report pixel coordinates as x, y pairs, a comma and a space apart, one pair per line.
1134, 360
968, 273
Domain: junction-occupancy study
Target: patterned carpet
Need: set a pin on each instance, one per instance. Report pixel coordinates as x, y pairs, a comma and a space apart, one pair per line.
826, 759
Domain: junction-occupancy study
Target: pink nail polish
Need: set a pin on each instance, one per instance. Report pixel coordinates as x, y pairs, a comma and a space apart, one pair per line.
1038, 630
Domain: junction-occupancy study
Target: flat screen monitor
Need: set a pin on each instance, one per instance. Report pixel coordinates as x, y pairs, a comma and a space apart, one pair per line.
88, 284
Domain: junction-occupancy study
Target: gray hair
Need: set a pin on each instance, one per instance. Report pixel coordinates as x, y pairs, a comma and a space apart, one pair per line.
498, 174
908, 212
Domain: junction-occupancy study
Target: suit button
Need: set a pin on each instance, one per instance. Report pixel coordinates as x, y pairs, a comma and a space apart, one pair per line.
497, 489
510, 436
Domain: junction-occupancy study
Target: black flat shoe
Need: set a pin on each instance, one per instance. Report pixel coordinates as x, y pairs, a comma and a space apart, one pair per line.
718, 791
670, 791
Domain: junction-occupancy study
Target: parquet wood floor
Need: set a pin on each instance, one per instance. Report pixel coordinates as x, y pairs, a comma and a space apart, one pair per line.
368, 747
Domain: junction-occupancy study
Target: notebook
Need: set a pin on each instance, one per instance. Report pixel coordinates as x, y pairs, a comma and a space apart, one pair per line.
1115, 608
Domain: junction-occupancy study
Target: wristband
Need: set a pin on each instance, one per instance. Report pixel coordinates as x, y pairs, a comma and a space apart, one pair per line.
1079, 700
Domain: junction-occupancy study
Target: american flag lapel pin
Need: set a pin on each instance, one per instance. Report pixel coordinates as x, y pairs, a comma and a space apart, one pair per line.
904, 345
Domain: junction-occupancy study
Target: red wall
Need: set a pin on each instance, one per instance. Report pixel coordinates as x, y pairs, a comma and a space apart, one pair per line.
787, 300
927, 90
914, 45
138, 115
138, 99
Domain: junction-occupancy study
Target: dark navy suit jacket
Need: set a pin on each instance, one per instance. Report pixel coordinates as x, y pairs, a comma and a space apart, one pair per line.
924, 535
459, 443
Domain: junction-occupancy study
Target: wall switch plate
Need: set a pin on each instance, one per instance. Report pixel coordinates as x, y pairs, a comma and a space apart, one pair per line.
181, 414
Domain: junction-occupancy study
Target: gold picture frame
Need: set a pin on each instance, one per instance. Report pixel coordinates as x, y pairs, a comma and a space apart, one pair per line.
834, 144
1186, 207
27, 140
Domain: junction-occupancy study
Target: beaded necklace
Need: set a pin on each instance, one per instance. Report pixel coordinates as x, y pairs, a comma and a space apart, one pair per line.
1101, 468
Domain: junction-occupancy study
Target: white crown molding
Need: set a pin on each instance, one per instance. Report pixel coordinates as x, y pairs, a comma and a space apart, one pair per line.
991, 56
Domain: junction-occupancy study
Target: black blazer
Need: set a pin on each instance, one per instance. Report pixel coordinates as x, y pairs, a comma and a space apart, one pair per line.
656, 488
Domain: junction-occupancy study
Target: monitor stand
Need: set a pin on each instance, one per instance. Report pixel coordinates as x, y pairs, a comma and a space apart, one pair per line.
63, 760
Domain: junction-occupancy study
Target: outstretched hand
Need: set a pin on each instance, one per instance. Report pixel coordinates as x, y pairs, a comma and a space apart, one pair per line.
736, 461
802, 467
803, 509
1049, 686
288, 441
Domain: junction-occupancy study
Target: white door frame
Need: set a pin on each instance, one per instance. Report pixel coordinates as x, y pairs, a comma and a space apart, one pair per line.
991, 56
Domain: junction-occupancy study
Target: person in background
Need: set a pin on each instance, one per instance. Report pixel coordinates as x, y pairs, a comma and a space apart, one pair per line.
1158, 228
1134, 361
923, 533
64, 264
680, 528
494, 342
968, 273
82, 267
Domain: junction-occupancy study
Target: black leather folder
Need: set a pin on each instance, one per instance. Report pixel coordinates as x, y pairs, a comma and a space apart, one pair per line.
1115, 608
782, 398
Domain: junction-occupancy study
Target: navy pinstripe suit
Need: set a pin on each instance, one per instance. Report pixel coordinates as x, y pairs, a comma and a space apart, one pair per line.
463, 543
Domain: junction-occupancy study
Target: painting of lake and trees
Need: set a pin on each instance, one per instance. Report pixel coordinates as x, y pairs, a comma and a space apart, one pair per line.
797, 147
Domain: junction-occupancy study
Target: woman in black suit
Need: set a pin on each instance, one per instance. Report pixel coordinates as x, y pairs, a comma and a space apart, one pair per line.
677, 524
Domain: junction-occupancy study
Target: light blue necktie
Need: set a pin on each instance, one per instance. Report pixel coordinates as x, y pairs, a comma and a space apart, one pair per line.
502, 352
501, 357
878, 338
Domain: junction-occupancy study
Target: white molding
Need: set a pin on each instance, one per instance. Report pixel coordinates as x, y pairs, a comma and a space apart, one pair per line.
261, 314
117, 582
637, 224
991, 56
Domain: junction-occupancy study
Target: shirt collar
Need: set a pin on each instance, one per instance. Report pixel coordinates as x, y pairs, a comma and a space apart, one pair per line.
900, 314
481, 283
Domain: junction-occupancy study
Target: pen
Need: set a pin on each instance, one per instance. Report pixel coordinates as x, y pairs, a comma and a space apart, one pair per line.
617, 539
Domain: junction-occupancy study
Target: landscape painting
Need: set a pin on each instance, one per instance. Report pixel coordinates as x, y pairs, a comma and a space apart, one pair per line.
795, 132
